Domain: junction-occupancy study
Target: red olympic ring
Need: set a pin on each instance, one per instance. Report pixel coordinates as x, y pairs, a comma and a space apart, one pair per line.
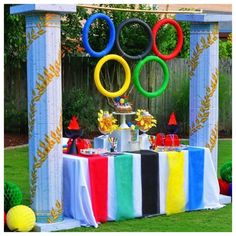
179, 44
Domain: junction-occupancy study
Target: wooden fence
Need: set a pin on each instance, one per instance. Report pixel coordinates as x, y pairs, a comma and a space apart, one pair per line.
78, 73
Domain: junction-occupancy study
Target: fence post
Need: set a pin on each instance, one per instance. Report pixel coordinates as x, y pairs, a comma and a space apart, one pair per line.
204, 79
43, 34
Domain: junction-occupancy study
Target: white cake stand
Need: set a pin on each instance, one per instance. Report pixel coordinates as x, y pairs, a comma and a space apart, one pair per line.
123, 124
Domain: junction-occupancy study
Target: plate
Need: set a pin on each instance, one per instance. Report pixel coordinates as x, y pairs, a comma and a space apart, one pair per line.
92, 151
171, 148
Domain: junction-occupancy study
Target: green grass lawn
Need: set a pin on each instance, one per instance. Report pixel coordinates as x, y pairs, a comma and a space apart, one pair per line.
16, 170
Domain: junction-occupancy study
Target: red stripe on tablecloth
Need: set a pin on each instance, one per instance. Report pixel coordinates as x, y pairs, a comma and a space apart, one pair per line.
98, 175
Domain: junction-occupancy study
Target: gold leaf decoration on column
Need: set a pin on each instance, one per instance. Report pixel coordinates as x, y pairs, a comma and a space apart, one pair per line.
53, 71
200, 47
55, 212
40, 30
45, 147
204, 110
213, 138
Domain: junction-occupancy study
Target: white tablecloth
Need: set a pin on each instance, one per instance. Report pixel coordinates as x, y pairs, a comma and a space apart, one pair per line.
76, 190
77, 200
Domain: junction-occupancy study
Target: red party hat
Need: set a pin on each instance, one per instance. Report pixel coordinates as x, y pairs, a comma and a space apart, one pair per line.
172, 120
74, 124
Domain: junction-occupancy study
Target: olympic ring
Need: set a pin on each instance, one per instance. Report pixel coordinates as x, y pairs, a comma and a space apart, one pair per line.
179, 44
148, 30
98, 81
137, 71
86, 33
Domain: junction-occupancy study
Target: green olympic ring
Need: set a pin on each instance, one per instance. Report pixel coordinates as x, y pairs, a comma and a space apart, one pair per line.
138, 69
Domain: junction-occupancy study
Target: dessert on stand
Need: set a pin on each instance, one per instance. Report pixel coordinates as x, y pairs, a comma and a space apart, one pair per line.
122, 105
126, 134
123, 108
125, 137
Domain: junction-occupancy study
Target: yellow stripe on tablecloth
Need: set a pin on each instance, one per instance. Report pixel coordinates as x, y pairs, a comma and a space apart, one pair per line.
175, 195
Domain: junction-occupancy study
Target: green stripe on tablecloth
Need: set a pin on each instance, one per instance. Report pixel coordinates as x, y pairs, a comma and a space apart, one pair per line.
124, 187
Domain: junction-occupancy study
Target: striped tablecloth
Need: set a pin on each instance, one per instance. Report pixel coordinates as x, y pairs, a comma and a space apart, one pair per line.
139, 184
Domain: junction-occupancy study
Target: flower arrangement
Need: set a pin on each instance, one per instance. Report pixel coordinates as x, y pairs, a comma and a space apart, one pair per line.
106, 122
145, 120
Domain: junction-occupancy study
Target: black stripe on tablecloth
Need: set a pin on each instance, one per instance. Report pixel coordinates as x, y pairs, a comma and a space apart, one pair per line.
150, 182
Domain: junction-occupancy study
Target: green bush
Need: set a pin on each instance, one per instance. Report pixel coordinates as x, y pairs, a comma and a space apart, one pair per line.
225, 47
225, 104
77, 102
14, 120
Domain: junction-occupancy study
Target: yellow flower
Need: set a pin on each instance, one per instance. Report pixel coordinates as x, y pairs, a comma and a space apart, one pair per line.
106, 122
145, 121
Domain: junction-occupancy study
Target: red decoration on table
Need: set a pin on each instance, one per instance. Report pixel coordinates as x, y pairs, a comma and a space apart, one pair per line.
160, 139
224, 187
73, 132
74, 124
79, 143
83, 144
172, 140
172, 120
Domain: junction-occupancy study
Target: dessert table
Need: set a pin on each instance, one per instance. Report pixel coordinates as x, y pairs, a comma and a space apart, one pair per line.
138, 184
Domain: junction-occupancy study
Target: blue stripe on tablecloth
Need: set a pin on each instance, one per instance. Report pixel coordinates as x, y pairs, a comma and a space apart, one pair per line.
196, 177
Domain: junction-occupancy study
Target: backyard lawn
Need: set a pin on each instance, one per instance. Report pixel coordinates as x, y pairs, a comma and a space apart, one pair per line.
16, 170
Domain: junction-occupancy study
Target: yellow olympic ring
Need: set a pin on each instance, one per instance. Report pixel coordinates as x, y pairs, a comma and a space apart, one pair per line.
97, 76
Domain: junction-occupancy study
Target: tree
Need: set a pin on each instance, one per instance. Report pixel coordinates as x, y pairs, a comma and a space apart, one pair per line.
225, 47
71, 32
14, 38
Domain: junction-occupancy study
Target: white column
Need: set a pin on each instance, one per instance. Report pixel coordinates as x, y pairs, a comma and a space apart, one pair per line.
204, 83
43, 34
204, 79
